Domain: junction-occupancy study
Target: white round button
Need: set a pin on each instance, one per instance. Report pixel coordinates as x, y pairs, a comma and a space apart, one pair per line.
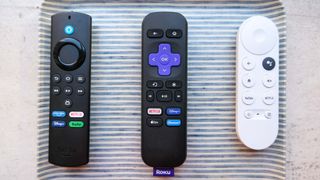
268, 99
248, 63
268, 81
248, 98
259, 35
248, 81
268, 114
248, 114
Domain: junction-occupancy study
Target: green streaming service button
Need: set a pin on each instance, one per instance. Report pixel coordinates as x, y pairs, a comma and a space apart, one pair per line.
76, 124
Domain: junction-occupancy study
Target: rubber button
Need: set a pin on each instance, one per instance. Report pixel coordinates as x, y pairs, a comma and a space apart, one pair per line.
174, 33
154, 111
248, 98
55, 90
259, 35
178, 96
56, 78
248, 63
155, 33
76, 114
150, 96
268, 99
68, 78
174, 111
58, 124
59, 114
69, 30
81, 79
268, 114
76, 124
67, 90
69, 54
268, 63
248, 81
154, 122
248, 114
172, 84
164, 96
173, 122
80, 91
268, 81
68, 103
154, 84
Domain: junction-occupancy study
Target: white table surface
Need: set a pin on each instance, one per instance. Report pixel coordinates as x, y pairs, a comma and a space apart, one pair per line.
18, 89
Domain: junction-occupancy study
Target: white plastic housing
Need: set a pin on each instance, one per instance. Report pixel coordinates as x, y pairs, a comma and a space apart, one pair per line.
257, 120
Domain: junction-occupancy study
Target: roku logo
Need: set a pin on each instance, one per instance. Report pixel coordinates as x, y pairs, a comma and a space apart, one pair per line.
163, 172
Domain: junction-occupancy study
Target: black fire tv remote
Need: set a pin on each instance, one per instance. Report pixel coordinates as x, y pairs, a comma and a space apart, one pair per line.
70, 89
164, 89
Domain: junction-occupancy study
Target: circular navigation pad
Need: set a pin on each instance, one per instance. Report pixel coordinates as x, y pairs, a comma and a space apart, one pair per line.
259, 35
69, 54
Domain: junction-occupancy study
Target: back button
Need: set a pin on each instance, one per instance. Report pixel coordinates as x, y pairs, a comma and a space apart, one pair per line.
155, 33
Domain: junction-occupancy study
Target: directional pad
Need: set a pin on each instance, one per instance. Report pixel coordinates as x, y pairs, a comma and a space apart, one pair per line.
164, 59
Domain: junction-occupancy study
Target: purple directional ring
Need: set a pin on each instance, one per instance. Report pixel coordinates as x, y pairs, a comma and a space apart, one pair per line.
164, 59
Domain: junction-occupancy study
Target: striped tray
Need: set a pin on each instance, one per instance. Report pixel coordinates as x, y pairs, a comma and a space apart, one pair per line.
214, 152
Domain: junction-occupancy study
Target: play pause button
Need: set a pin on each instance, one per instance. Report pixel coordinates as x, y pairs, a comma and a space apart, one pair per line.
164, 96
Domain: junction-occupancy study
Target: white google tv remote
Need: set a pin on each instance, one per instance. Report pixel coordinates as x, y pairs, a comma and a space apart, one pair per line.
257, 87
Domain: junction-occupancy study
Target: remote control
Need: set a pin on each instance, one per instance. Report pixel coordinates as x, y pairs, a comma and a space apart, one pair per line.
70, 89
164, 89
257, 87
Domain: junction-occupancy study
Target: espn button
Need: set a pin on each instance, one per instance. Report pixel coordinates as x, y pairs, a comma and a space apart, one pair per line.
76, 114
154, 111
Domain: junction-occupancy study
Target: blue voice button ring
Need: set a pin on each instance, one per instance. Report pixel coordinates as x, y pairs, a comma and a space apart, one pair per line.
68, 29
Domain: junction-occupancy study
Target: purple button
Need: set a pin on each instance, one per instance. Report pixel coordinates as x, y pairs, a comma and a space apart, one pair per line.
165, 48
163, 70
164, 59
153, 59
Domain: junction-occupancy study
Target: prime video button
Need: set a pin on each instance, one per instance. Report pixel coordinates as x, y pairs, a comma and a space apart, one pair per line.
59, 114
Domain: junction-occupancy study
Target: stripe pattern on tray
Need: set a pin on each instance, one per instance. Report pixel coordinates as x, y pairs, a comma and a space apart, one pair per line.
214, 151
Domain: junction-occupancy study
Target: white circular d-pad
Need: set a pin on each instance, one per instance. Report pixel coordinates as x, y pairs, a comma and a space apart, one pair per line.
259, 35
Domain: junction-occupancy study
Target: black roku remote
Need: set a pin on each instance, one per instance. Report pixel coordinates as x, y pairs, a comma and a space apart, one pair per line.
70, 89
164, 89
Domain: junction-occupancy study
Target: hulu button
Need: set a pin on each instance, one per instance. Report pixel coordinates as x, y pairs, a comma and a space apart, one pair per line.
76, 124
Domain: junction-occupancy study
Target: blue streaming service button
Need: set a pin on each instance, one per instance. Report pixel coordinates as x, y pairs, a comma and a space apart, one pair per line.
173, 122
173, 111
59, 114
58, 124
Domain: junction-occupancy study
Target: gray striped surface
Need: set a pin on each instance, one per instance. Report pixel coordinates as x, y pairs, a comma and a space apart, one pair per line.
214, 152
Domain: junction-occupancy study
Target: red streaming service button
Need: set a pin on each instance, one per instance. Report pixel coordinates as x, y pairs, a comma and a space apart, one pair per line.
154, 111
76, 114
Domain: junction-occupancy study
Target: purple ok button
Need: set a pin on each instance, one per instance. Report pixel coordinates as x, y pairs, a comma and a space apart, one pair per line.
164, 59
